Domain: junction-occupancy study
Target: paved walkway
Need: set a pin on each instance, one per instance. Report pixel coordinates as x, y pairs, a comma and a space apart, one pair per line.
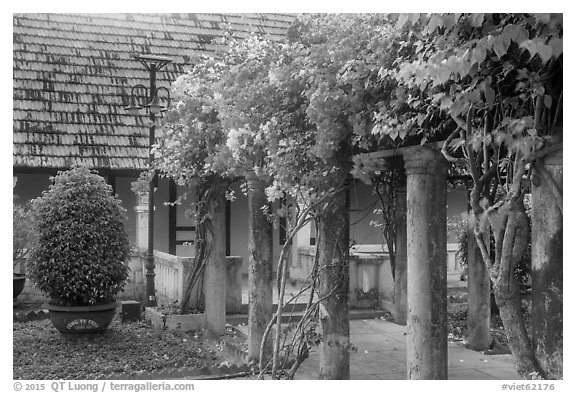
381, 354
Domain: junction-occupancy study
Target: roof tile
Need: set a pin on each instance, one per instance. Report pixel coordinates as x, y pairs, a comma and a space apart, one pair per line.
72, 74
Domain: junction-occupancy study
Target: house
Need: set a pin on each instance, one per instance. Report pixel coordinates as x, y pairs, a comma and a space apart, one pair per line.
72, 76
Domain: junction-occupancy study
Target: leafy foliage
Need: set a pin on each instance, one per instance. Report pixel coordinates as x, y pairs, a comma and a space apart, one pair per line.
296, 113
282, 110
193, 153
194, 143
505, 65
491, 86
142, 184
82, 243
22, 231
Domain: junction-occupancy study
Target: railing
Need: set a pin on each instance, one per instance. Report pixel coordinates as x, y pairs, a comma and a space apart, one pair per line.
171, 272
170, 278
371, 280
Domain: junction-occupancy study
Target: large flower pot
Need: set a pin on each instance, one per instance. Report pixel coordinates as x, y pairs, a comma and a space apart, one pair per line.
82, 319
18, 284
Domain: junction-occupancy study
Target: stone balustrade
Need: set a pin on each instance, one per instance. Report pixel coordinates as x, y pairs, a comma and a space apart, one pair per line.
371, 282
170, 280
171, 272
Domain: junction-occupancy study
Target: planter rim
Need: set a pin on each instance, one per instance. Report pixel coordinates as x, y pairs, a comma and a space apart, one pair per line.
18, 275
99, 307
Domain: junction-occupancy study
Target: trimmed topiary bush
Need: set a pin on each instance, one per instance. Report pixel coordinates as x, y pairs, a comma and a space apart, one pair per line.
82, 245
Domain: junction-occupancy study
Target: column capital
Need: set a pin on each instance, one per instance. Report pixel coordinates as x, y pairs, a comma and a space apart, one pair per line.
425, 160
142, 198
257, 176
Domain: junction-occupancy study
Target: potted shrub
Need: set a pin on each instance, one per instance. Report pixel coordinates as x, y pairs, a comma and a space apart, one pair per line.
79, 258
22, 237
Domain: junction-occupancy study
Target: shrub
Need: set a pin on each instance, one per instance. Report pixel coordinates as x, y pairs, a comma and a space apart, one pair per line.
22, 231
82, 244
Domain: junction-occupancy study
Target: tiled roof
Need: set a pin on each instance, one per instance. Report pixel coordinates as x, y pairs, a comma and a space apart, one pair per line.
73, 74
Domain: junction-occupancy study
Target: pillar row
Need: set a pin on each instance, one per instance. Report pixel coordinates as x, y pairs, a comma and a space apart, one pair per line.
141, 210
215, 273
137, 286
427, 346
260, 280
400, 274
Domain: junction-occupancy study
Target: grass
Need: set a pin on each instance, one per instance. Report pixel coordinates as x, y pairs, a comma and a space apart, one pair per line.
41, 352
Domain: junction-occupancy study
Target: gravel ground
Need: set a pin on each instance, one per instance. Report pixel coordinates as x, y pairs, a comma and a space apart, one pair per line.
41, 352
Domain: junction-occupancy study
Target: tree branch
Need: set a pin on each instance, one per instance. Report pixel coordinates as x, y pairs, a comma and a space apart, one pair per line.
515, 189
445, 151
486, 176
483, 250
469, 151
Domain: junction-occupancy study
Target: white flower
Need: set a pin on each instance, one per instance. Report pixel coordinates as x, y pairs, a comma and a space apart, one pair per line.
273, 192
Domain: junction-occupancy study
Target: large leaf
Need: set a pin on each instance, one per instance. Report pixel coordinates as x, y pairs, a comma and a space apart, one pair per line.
443, 74
433, 23
476, 20
500, 47
445, 102
510, 32
402, 19
556, 44
479, 54
522, 35
489, 94
449, 20
538, 47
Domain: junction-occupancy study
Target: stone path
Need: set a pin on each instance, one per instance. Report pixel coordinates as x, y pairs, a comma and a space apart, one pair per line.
381, 354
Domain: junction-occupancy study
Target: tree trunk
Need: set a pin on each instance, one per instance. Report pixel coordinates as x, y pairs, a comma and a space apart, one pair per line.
479, 338
259, 269
215, 276
507, 294
547, 266
510, 245
333, 252
193, 291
